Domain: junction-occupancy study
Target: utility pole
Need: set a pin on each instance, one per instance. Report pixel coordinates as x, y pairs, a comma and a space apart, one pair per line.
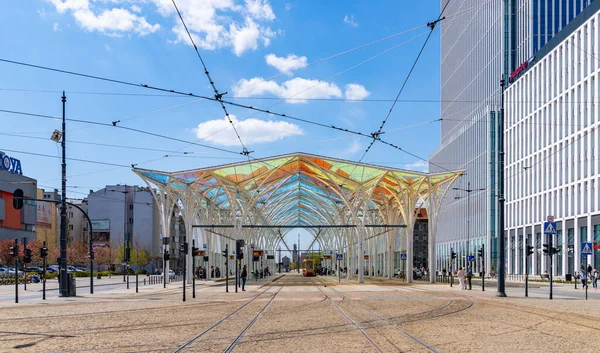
500, 233
62, 266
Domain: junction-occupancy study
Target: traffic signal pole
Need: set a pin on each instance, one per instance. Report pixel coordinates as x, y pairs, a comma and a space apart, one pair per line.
62, 269
16, 256
226, 268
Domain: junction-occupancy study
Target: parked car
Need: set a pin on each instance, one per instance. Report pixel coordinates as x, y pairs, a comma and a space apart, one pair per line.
3, 272
11, 272
80, 269
171, 274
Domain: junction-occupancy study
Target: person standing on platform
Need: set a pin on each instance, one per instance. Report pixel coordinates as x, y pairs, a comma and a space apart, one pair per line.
461, 278
583, 276
469, 276
595, 276
243, 276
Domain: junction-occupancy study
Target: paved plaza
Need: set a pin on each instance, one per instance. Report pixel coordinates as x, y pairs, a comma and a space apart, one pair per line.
292, 313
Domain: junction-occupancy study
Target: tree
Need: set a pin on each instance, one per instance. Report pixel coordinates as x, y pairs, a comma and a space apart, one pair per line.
103, 255
35, 247
140, 257
77, 253
5, 257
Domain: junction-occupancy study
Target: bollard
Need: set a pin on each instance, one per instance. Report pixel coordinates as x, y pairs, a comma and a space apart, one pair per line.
136, 282
144, 281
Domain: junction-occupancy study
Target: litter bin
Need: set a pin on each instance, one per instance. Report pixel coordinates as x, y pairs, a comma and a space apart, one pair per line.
71, 287
568, 277
98, 276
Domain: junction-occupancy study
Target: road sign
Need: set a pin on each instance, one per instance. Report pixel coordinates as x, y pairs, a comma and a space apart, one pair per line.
596, 246
339, 257
586, 248
402, 256
471, 258
550, 228
550, 219
330, 252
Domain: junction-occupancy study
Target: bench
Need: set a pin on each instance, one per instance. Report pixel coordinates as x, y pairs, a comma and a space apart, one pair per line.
545, 277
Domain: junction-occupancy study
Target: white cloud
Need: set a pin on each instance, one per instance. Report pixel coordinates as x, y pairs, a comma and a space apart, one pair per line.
136, 9
260, 10
107, 47
213, 27
55, 27
419, 166
353, 148
298, 88
288, 64
356, 92
350, 20
252, 131
113, 22
288, 7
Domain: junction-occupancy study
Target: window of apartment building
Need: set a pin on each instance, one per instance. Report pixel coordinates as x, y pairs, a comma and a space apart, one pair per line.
130, 220
131, 206
70, 227
70, 214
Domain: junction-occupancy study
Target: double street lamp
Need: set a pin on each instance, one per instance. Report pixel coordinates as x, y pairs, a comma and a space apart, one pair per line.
468, 190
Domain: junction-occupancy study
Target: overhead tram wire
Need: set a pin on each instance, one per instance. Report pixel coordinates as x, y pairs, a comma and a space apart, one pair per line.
218, 96
432, 26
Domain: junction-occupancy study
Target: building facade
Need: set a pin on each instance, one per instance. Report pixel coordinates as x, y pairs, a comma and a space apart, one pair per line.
498, 37
121, 213
552, 117
46, 227
16, 223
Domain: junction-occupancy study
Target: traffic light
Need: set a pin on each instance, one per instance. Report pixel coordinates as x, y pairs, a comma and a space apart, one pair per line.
480, 252
530, 250
166, 256
14, 250
91, 255
225, 253
18, 199
555, 251
195, 251
547, 249
183, 248
44, 252
127, 254
27, 256
239, 248
452, 254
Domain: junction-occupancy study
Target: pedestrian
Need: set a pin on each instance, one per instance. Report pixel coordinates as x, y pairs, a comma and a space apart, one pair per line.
583, 276
461, 278
589, 270
243, 276
595, 276
469, 276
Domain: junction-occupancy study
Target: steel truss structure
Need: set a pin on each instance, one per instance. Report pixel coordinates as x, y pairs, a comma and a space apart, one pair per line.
303, 190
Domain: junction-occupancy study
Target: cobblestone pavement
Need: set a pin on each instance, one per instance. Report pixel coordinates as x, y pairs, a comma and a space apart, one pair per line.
293, 313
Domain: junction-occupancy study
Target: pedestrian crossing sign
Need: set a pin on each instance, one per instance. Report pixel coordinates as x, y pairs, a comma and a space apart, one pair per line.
586, 248
550, 228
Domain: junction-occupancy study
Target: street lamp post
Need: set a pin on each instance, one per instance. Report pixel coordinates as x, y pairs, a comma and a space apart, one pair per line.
125, 237
468, 190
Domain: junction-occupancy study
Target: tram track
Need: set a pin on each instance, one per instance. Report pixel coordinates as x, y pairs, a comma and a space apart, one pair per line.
239, 337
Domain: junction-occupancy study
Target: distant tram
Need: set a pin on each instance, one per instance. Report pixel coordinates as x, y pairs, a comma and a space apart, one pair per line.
308, 268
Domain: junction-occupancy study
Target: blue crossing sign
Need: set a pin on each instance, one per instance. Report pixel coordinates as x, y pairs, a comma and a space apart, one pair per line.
402, 256
586, 249
471, 258
550, 228
339, 257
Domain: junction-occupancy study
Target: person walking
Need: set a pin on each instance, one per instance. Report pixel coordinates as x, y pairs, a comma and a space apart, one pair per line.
583, 277
589, 270
461, 278
243, 276
595, 276
469, 276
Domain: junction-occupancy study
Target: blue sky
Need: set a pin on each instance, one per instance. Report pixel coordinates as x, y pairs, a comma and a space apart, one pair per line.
253, 49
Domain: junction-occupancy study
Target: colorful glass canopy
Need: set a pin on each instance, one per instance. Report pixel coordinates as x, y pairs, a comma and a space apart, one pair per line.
299, 189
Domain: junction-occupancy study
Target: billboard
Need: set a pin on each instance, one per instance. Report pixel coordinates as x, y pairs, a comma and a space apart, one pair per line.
101, 224
44, 214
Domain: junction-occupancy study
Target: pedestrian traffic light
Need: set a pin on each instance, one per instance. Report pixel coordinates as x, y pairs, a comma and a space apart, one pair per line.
452, 254
91, 255
530, 250
546, 249
27, 256
44, 252
183, 248
18, 199
166, 256
195, 251
225, 253
14, 250
480, 252
239, 248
